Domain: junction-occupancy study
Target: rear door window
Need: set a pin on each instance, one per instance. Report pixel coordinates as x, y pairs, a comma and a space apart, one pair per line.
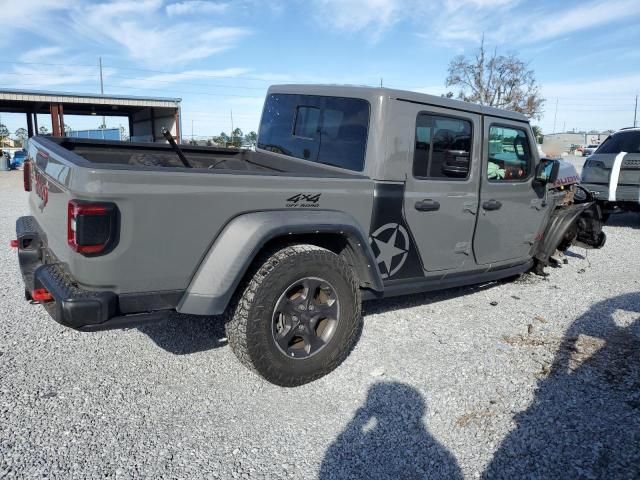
621, 142
328, 130
443, 148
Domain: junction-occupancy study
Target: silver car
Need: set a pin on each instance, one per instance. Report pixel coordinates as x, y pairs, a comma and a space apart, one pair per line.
589, 150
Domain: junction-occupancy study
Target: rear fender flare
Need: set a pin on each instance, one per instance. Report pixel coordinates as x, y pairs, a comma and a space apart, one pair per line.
235, 248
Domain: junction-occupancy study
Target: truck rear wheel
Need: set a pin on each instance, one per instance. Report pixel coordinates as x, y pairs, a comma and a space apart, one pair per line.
298, 317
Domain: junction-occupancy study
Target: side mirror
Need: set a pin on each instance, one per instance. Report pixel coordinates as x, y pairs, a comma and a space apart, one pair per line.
547, 171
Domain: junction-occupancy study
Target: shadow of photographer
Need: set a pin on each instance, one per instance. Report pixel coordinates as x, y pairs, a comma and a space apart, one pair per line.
387, 439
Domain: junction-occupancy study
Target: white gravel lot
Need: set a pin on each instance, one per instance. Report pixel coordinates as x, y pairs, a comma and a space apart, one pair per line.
543, 384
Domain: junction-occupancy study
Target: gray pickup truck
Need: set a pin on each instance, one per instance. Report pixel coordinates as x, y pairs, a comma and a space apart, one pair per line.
352, 193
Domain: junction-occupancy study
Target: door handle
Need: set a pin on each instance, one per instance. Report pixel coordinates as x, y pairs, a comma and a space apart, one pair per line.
492, 205
427, 205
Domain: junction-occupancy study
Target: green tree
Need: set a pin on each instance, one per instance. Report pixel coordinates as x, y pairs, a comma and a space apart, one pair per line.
251, 138
236, 137
222, 139
4, 132
537, 132
21, 134
497, 81
43, 130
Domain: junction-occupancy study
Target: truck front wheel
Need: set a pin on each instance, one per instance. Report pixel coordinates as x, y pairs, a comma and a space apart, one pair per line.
298, 317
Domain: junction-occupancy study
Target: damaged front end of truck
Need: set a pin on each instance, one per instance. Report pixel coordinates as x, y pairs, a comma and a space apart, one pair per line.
576, 220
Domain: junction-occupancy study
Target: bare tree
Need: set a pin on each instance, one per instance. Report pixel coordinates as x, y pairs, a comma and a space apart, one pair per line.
497, 81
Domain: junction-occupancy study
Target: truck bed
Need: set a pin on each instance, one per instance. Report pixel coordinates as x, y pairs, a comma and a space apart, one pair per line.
116, 154
170, 215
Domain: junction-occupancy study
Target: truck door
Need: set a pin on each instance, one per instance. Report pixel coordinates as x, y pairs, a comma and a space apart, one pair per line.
441, 193
512, 210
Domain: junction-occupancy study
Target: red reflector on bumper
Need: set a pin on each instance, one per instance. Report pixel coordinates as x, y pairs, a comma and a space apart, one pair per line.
41, 295
14, 243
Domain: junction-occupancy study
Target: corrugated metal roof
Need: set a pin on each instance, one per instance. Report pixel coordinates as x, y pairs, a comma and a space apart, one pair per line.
76, 97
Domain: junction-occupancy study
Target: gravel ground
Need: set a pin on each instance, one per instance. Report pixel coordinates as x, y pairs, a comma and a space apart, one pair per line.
537, 378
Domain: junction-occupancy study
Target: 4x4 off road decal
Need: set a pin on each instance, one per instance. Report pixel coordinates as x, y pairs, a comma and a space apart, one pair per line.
390, 238
306, 200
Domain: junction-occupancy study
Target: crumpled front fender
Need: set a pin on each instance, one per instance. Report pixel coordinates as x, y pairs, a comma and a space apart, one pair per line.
578, 224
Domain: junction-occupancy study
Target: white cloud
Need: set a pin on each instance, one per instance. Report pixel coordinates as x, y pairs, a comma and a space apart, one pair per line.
196, 7
53, 66
582, 17
375, 16
29, 15
458, 22
621, 86
141, 29
164, 79
41, 54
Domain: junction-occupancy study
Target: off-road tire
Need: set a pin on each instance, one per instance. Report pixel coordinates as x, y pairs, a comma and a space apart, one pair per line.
249, 318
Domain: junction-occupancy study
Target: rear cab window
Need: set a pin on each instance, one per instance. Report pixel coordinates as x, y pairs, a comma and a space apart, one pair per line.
322, 129
621, 142
510, 157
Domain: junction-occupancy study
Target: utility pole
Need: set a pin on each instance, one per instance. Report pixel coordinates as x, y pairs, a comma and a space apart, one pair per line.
231, 126
192, 130
101, 88
635, 112
380, 82
555, 116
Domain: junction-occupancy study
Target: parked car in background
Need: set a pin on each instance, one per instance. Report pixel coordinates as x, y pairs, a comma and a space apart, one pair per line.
612, 173
18, 159
589, 150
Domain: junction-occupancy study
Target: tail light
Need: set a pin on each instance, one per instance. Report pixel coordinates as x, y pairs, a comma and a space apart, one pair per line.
26, 172
41, 295
92, 228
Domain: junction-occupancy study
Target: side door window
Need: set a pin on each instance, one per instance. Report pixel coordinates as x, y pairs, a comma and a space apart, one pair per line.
442, 148
510, 157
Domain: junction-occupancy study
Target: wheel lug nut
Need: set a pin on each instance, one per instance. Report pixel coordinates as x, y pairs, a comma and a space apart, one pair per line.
301, 307
294, 318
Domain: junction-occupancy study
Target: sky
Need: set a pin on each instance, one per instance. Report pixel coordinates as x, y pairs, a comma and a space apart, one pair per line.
220, 56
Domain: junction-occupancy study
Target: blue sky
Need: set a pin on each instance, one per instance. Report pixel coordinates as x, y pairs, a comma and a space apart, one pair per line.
221, 55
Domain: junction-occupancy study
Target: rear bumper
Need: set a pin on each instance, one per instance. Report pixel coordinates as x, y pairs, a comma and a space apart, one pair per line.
72, 306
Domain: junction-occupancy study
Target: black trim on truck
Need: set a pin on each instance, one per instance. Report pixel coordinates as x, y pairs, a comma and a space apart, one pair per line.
78, 308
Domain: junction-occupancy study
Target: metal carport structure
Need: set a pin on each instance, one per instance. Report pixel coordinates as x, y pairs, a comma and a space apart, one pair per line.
147, 115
